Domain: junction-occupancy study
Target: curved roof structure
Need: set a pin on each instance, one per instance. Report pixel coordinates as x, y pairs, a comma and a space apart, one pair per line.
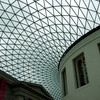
34, 34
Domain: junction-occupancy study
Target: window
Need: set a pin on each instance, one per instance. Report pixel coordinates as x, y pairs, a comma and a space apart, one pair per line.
64, 82
99, 46
81, 71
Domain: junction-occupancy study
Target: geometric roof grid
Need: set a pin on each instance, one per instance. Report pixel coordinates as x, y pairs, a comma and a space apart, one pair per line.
34, 34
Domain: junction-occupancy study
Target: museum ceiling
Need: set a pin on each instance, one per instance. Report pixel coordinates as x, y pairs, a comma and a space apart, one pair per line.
34, 34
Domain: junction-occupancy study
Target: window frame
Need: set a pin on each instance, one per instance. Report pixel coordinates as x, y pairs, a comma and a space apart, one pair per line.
80, 77
99, 47
64, 82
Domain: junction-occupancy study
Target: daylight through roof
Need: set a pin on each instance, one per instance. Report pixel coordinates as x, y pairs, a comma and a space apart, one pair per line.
34, 34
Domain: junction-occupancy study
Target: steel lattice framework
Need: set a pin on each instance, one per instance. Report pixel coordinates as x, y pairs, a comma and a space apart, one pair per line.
35, 33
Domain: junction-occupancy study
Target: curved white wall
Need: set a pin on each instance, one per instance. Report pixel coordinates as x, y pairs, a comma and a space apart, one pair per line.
88, 46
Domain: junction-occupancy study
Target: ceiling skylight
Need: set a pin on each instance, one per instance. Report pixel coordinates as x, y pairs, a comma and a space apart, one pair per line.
35, 33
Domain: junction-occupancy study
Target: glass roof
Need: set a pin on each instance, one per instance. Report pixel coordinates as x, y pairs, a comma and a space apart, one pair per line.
35, 33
